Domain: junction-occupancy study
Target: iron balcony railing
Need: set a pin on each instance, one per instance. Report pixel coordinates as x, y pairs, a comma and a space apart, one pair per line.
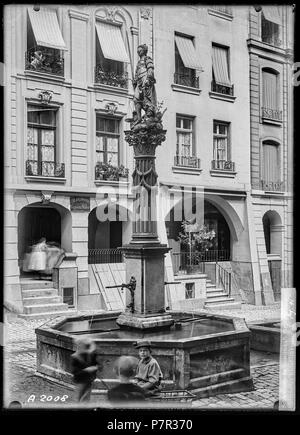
222, 89
45, 169
111, 78
100, 256
224, 165
189, 161
115, 175
186, 80
272, 186
194, 262
273, 114
44, 59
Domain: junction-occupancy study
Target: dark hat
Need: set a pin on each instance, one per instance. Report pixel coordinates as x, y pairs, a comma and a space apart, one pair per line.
142, 343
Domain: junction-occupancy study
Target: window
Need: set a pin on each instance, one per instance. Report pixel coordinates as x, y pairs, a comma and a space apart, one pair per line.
223, 9
270, 25
44, 42
270, 95
107, 140
189, 290
41, 143
111, 56
220, 70
186, 62
221, 147
68, 296
185, 147
271, 167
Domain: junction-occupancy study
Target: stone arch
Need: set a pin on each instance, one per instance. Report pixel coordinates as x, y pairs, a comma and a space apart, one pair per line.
233, 220
272, 224
50, 220
108, 230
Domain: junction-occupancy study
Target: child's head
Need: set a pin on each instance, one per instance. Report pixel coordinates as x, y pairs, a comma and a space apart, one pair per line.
85, 345
126, 367
144, 348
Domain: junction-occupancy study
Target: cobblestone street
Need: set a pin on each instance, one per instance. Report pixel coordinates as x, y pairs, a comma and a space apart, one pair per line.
21, 380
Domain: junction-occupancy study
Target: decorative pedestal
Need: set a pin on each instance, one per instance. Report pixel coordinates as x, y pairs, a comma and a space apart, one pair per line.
144, 255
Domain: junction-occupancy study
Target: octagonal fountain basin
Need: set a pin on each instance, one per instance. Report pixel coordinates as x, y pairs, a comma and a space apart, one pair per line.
204, 353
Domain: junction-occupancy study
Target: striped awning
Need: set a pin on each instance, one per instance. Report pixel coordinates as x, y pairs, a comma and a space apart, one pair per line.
271, 13
46, 28
220, 65
187, 52
111, 42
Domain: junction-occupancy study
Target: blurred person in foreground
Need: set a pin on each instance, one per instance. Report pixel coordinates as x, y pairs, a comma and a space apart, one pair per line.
84, 368
126, 391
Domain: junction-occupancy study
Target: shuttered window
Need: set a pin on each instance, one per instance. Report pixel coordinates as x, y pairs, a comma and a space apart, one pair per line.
271, 168
220, 64
270, 90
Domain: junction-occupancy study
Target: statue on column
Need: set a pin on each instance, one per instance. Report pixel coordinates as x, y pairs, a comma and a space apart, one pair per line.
144, 93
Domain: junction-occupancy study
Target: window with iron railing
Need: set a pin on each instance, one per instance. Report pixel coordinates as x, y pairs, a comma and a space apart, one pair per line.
221, 83
185, 148
270, 95
270, 179
107, 143
41, 143
110, 72
184, 76
221, 147
44, 58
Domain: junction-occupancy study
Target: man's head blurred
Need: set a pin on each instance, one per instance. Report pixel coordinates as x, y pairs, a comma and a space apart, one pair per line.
126, 367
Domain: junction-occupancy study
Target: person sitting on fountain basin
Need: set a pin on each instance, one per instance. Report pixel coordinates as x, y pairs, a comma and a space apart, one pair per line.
149, 374
84, 368
126, 391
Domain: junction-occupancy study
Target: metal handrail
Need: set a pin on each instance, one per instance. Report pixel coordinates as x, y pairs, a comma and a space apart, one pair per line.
223, 277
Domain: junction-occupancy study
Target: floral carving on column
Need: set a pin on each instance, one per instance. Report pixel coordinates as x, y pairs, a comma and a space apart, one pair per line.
145, 13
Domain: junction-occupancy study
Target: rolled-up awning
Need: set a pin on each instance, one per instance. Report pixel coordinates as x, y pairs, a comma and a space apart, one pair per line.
46, 29
111, 42
187, 52
220, 65
271, 13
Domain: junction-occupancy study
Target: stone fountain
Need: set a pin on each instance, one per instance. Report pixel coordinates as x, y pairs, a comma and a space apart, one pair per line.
204, 353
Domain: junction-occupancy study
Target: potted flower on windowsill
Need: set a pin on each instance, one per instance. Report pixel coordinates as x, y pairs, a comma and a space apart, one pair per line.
106, 171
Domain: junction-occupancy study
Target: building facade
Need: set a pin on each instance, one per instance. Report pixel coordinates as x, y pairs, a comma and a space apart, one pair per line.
68, 93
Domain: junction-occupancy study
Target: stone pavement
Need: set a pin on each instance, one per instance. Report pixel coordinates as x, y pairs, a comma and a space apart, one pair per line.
21, 380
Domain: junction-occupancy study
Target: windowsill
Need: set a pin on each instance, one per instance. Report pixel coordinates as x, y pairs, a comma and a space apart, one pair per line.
39, 74
110, 89
271, 121
40, 178
185, 89
267, 192
223, 97
111, 182
186, 170
256, 43
222, 173
220, 14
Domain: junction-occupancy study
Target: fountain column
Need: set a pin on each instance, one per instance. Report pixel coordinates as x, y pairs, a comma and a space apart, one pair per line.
144, 255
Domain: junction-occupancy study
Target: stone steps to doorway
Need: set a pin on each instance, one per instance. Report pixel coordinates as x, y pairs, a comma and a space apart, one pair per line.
41, 299
36, 284
38, 309
41, 292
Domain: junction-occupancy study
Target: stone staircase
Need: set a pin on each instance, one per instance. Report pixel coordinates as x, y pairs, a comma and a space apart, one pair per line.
41, 299
217, 298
